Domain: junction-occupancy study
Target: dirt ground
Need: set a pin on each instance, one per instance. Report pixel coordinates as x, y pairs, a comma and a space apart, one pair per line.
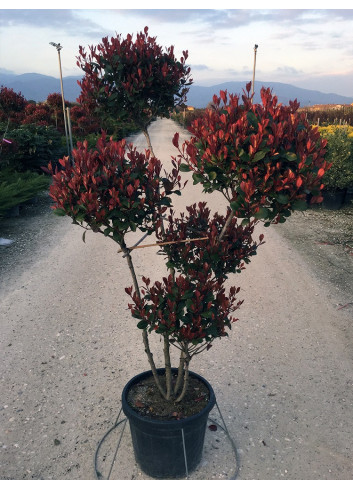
324, 238
283, 378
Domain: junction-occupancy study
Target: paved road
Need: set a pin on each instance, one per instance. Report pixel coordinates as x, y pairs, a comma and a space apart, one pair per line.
283, 379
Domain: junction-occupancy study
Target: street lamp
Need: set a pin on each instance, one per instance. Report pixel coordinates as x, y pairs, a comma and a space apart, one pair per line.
59, 48
253, 73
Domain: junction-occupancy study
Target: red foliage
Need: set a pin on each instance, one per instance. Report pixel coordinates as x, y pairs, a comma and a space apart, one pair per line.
191, 308
132, 80
82, 121
265, 158
113, 187
11, 104
226, 256
54, 100
36, 114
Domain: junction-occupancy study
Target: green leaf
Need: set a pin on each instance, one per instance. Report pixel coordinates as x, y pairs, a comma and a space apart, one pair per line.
122, 226
184, 167
290, 156
212, 175
234, 205
282, 198
142, 324
206, 314
59, 212
262, 213
299, 205
252, 119
212, 330
259, 155
243, 156
197, 178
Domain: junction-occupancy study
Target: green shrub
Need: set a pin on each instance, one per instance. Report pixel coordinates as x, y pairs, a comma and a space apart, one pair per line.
16, 188
340, 154
32, 146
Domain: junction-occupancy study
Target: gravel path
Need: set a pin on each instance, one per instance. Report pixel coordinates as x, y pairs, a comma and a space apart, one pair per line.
283, 379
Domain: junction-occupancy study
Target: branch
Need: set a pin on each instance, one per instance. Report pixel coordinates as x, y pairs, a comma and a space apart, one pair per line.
164, 243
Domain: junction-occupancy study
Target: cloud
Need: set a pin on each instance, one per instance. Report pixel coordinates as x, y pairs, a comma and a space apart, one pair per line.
65, 19
287, 70
5, 71
200, 67
216, 19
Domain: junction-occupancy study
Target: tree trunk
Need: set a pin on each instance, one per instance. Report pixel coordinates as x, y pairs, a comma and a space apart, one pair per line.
144, 331
186, 380
228, 221
148, 139
180, 373
168, 367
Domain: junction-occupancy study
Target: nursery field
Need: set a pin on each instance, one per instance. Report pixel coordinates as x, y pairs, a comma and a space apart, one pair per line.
282, 379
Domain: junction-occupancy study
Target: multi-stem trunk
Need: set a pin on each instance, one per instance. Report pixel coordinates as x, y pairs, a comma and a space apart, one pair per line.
179, 380
168, 367
144, 331
186, 377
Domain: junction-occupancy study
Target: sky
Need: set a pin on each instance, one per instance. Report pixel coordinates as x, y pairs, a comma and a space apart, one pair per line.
307, 47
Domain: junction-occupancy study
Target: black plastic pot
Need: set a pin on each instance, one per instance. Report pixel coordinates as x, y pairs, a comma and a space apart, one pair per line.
333, 200
159, 445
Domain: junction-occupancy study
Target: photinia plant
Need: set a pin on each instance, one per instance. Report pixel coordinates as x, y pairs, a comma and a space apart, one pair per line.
264, 158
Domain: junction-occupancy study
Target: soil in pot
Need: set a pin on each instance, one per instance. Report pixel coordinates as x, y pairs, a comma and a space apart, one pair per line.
145, 398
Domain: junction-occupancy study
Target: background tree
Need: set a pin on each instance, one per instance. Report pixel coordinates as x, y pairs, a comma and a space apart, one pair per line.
38, 114
55, 103
11, 104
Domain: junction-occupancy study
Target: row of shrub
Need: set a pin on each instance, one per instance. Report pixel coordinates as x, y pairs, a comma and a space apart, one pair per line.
329, 116
340, 153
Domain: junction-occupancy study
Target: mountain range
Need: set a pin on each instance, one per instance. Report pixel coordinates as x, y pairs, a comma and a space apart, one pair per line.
35, 86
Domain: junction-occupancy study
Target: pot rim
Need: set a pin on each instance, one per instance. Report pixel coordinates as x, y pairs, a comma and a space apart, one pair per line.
177, 423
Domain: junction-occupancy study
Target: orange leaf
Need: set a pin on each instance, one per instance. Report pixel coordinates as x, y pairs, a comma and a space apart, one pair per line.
299, 182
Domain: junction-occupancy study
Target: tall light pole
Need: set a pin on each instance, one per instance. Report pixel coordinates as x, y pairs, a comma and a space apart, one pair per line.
59, 48
253, 73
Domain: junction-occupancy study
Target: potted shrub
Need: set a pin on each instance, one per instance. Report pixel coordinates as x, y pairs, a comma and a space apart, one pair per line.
264, 158
339, 178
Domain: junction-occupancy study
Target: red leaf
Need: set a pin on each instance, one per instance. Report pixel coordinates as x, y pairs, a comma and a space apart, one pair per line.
176, 140
130, 190
212, 427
